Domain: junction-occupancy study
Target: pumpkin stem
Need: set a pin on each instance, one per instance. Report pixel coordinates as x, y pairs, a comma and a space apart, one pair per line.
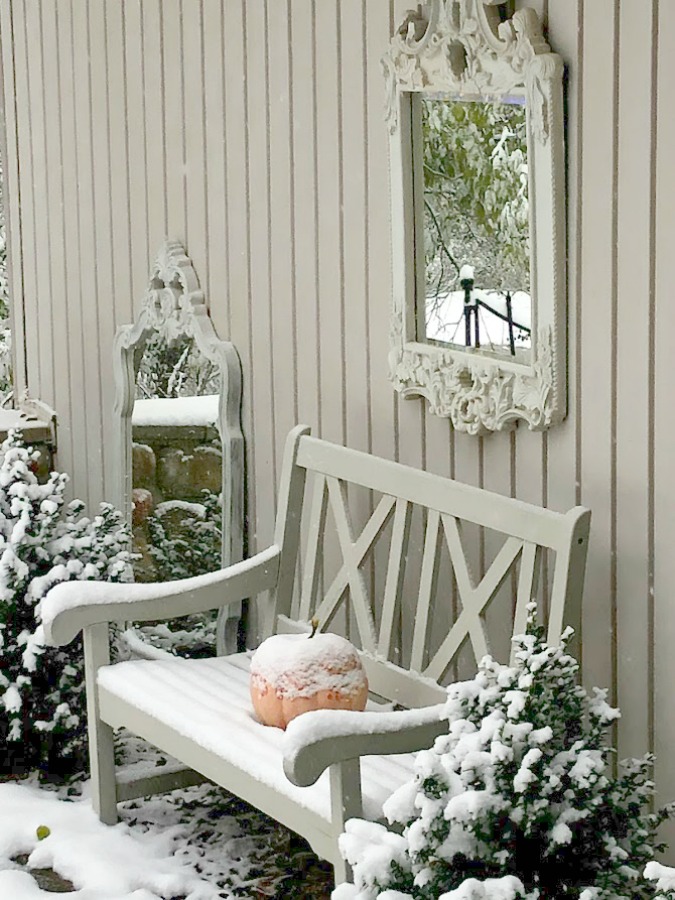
315, 626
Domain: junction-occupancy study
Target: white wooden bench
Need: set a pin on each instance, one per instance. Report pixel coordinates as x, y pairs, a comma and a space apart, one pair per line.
329, 765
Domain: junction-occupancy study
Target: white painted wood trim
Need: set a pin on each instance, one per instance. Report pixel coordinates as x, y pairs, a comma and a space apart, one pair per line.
530, 560
395, 573
165, 778
337, 492
313, 557
356, 551
286, 533
427, 590
347, 735
491, 510
67, 609
568, 581
346, 803
101, 748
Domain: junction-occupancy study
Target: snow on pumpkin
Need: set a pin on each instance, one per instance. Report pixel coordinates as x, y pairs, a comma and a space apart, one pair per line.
296, 673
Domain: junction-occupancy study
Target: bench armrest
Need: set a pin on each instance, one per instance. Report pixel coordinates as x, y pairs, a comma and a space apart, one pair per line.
316, 740
71, 606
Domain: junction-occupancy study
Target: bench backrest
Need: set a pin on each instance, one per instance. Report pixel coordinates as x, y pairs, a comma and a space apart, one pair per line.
530, 533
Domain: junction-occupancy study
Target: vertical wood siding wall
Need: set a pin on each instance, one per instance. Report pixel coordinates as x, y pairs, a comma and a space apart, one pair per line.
252, 130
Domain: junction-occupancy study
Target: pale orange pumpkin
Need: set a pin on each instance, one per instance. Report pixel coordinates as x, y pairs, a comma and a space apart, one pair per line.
295, 673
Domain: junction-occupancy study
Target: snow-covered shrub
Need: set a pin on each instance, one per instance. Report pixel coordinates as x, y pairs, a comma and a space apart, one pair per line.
43, 541
517, 800
186, 538
664, 876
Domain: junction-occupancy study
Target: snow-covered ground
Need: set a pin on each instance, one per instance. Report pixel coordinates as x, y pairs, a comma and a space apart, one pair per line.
117, 863
198, 844
445, 319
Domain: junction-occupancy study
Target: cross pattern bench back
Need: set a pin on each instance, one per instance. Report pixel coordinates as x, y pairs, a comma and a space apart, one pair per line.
329, 765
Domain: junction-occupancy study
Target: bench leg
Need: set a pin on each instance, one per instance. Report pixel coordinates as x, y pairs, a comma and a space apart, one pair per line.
101, 750
342, 871
102, 766
346, 803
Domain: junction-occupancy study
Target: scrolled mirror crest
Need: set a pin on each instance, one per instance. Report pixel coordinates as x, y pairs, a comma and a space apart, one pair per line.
424, 49
173, 298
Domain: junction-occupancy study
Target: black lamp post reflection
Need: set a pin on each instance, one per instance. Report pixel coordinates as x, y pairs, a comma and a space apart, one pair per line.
466, 280
475, 300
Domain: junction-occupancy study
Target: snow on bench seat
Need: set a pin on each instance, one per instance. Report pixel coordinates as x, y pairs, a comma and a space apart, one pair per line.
208, 702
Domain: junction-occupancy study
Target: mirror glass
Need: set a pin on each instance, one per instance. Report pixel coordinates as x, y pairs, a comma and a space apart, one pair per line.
474, 206
177, 468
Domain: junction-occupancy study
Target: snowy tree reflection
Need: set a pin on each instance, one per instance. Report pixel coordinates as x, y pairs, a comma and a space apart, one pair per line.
476, 211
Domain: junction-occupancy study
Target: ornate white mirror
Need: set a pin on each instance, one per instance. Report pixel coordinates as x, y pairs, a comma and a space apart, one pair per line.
180, 447
475, 114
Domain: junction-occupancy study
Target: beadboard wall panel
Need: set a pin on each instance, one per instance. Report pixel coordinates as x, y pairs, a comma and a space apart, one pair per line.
663, 437
9, 137
634, 386
595, 276
253, 131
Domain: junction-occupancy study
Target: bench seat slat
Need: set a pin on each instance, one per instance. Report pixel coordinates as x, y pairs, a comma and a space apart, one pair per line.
208, 702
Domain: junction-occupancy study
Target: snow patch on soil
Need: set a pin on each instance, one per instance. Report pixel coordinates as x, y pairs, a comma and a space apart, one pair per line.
103, 863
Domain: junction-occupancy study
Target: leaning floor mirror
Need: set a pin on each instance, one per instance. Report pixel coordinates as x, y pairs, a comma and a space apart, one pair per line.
180, 451
475, 114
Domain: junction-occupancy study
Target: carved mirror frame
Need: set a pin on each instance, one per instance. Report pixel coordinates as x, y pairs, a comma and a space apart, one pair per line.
173, 306
463, 47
